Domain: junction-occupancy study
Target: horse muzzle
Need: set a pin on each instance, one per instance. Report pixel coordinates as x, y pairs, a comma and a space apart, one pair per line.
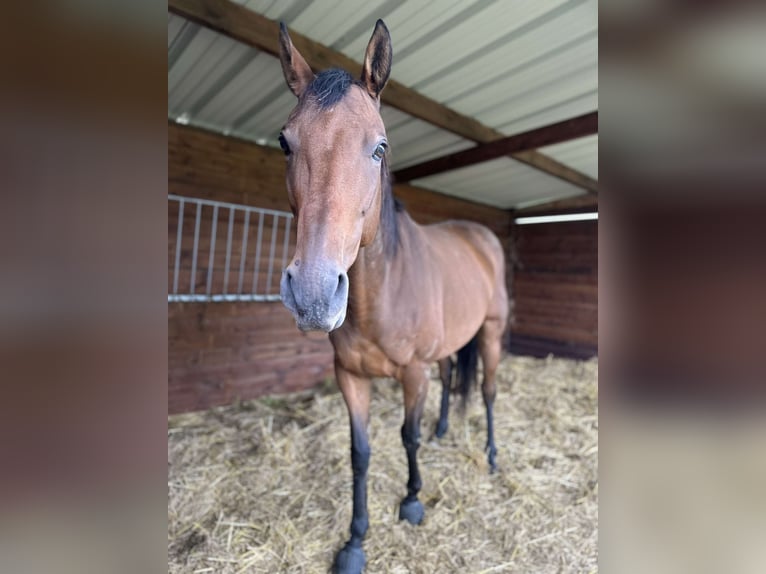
317, 296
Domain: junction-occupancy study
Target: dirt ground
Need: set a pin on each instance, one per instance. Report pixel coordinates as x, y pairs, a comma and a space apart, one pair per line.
265, 485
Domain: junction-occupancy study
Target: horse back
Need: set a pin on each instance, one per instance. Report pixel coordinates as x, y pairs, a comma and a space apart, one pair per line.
469, 262
464, 246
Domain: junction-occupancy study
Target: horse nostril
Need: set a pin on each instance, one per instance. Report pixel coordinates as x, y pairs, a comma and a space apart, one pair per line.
287, 289
342, 288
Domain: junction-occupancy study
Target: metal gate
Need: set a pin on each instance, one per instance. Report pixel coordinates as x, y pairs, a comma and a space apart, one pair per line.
244, 264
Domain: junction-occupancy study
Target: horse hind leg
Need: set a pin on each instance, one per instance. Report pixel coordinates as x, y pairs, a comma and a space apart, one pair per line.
445, 373
490, 348
415, 385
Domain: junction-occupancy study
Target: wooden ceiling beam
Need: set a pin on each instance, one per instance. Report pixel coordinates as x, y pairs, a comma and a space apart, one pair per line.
249, 27
555, 133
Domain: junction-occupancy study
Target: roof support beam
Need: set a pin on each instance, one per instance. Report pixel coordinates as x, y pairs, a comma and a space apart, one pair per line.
555, 133
249, 27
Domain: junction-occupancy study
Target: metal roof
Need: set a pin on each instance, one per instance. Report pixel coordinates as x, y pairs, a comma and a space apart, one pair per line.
514, 66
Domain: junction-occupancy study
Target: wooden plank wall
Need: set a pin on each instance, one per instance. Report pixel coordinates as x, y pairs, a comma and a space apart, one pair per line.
220, 352
556, 289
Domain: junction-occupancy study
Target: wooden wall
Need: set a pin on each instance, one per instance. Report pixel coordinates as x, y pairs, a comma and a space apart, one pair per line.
220, 352
556, 289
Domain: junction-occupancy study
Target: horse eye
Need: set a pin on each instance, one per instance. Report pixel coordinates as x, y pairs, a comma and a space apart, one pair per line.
283, 144
379, 152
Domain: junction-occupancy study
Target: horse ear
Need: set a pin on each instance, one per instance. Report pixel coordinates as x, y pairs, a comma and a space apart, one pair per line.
297, 72
377, 60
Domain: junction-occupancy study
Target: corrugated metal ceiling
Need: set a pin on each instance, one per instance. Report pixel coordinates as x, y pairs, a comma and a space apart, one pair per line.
514, 66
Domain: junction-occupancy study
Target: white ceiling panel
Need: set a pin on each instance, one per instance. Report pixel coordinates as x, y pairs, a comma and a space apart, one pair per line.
502, 182
581, 154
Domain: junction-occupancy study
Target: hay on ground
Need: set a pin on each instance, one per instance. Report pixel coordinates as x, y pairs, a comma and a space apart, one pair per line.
265, 485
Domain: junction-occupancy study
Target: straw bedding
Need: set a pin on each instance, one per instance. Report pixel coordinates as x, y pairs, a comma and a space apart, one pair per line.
265, 485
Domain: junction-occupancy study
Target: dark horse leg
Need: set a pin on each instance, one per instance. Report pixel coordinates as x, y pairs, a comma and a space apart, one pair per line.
356, 392
489, 348
415, 383
445, 373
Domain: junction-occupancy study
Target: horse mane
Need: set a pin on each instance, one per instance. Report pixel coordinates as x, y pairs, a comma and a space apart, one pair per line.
327, 89
390, 207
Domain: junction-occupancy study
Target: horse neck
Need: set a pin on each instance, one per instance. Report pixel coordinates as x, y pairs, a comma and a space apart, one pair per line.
368, 277
370, 273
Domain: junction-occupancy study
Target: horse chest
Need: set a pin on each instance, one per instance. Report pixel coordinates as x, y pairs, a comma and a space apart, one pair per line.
375, 356
362, 356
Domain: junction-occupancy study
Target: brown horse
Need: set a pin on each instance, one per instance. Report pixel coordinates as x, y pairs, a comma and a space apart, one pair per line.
395, 296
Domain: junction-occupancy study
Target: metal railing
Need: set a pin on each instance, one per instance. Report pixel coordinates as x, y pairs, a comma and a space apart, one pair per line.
208, 284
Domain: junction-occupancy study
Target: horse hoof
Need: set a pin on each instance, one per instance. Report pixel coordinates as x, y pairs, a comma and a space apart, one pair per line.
441, 429
412, 511
491, 454
350, 560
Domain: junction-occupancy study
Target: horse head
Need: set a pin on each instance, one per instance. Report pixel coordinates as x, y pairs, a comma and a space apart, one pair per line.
335, 144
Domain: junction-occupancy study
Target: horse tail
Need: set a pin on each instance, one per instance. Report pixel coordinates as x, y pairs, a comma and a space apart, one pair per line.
467, 361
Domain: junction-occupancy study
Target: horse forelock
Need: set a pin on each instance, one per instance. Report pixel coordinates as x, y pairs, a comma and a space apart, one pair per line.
329, 87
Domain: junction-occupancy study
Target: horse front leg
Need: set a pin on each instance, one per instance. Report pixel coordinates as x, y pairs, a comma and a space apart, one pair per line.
356, 393
445, 373
415, 383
